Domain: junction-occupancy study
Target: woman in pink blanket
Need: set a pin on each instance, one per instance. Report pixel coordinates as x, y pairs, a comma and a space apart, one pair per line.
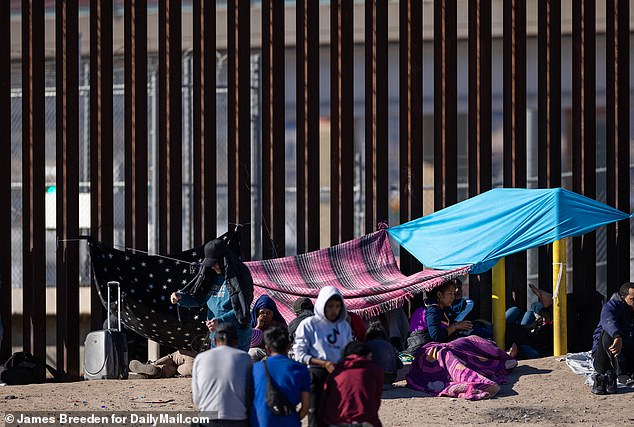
468, 367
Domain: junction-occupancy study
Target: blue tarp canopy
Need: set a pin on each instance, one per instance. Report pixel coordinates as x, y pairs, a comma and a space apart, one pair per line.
481, 230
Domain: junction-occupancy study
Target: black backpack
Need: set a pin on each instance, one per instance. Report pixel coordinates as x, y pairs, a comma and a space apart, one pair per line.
24, 368
277, 403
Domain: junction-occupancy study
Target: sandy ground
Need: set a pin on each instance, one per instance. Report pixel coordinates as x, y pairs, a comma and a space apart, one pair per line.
540, 391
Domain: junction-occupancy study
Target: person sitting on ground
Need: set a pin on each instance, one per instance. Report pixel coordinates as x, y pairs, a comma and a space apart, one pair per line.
383, 352
180, 362
415, 339
533, 333
613, 350
225, 285
319, 342
264, 315
303, 308
433, 321
222, 382
352, 393
544, 301
461, 307
357, 325
290, 378
396, 326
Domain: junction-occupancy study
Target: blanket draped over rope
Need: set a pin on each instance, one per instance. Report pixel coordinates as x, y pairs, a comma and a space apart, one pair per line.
146, 284
363, 269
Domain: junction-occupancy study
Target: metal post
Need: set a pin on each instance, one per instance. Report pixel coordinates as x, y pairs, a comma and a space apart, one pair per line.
560, 333
499, 303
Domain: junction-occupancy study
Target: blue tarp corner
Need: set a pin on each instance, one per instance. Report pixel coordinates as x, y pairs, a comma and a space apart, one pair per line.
500, 222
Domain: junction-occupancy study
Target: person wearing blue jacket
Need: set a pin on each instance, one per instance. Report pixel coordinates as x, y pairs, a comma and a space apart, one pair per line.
613, 349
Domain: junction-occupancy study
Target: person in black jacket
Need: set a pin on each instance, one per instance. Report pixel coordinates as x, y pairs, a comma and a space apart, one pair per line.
225, 285
303, 308
613, 349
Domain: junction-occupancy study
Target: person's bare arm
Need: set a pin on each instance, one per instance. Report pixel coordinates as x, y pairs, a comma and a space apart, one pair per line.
327, 364
465, 325
303, 411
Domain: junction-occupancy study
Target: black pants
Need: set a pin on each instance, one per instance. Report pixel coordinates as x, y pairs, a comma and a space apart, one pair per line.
317, 379
604, 360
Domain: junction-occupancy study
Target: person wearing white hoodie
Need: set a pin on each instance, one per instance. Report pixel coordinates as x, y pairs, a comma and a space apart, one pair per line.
319, 343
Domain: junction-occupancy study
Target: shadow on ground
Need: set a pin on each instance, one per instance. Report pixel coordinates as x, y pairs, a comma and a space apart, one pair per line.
506, 389
401, 391
520, 414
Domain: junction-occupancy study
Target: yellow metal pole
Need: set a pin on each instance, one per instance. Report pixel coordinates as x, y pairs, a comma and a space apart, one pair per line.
560, 333
499, 303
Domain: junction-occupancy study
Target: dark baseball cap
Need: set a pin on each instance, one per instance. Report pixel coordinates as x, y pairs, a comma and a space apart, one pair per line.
214, 252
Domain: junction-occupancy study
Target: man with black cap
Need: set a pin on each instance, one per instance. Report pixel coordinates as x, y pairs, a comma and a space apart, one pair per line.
222, 384
225, 285
303, 308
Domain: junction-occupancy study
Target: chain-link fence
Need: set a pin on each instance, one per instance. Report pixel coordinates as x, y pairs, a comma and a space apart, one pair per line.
118, 159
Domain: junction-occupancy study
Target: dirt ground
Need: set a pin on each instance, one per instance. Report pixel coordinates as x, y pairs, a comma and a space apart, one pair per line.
540, 391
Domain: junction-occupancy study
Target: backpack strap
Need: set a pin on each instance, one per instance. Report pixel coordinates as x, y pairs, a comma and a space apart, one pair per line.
54, 372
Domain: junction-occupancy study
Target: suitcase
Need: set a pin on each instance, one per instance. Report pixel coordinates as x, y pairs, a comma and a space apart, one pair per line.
106, 351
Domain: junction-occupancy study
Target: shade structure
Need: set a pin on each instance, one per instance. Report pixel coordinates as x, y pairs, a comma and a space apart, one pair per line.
500, 222
363, 269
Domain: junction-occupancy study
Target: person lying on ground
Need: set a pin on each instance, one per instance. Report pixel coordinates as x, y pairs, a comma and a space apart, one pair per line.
613, 350
319, 343
383, 352
225, 286
352, 393
264, 315
222, 381
290, 378
468, 367
180, 362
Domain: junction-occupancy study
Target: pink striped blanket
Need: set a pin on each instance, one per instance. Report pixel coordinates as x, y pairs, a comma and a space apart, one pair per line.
363, 269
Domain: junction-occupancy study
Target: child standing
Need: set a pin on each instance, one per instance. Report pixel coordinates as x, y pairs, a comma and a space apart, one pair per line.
287, 376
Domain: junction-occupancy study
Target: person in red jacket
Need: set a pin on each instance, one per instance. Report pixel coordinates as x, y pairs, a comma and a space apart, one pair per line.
358, 326
352, 393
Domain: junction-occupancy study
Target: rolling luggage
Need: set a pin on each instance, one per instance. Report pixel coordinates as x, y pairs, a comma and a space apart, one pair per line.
106, 351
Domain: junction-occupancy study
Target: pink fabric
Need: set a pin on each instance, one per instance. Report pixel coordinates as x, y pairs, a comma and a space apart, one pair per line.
467, 367
418, 321
364, 270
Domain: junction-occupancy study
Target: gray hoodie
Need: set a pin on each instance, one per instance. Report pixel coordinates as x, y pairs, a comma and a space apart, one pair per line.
320, 338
